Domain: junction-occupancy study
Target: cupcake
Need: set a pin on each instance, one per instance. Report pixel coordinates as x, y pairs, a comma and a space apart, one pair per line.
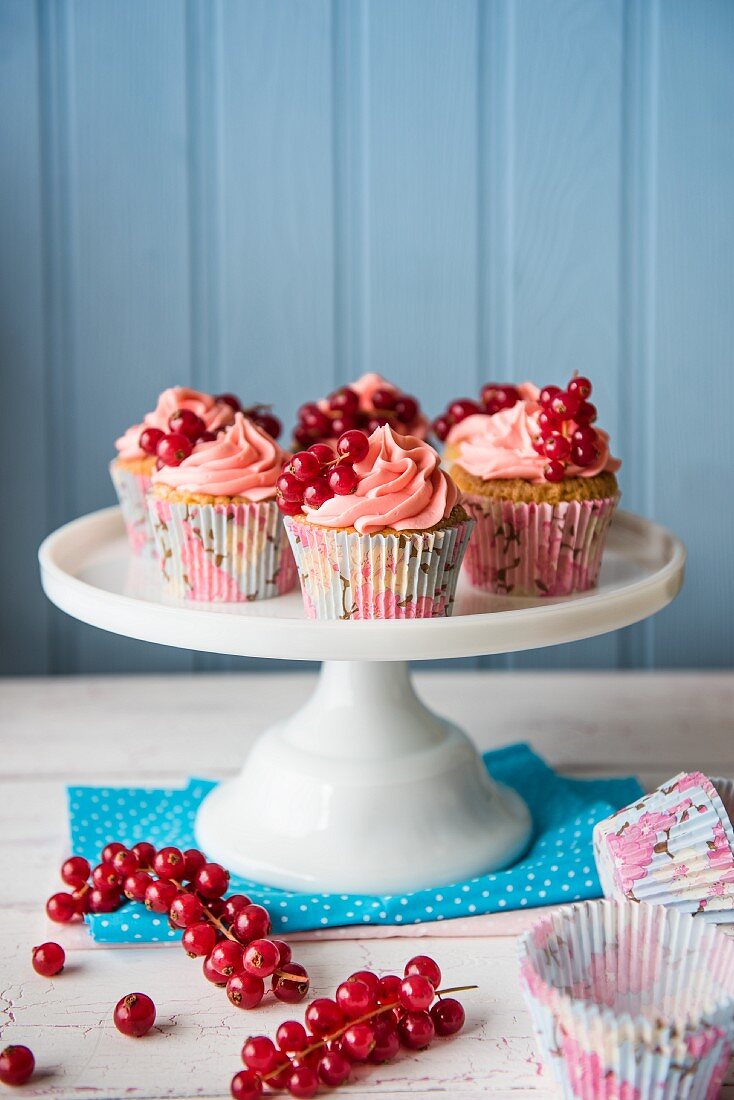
377, 529
495, 397
539, 479
218, 531
366, 404
179, 411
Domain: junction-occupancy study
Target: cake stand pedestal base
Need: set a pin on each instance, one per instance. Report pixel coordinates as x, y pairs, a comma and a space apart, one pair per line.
363, 790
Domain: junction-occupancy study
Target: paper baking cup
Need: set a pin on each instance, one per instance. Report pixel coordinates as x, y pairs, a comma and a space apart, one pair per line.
228, 553
535, 548
674, 847
630, 1002
345, 575
132, 489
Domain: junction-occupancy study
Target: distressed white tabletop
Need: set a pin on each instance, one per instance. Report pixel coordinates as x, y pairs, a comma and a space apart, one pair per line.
99, 730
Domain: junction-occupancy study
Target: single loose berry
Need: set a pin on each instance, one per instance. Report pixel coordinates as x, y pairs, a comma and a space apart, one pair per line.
227, 958
286, 989
212, 880
416, 1030
353, 446
343, 480
252, 923
259, 1053
416, 993
246, 1085
304, 466
169, 863
406, 409
174, 448
245, 990
145, 853
135, 885
334, 1069
61, 908
292, 1036
448, 1016
75, 871
48, 959
354, 998
323, 1016
159, 896
16, 1065
149, 439
358, 1042
134, 1015
199, 939
426, 967
262, 957
303, 1083
186, 909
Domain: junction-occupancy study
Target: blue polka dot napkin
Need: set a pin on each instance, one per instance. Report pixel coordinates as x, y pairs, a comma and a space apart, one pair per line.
559, 865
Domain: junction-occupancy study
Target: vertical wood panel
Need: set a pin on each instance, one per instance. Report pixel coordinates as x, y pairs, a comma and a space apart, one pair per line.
695, 325
129, 262
24, 614
566, 201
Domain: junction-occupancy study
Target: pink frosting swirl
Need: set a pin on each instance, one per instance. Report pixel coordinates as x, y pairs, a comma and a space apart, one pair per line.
215, 414
365, 387
501, 446
401, 485
243, 461
464, 429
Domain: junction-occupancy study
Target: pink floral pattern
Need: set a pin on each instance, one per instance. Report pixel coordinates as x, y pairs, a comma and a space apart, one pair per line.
588, 1077
222, 553
345, 575
536, 549
131, 492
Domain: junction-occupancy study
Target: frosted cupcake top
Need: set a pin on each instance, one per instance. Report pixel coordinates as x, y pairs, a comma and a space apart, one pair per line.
215, 414
400, 484
243, 461
509, 444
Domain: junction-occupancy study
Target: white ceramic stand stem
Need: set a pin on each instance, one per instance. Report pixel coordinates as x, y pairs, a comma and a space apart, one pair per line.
363, 789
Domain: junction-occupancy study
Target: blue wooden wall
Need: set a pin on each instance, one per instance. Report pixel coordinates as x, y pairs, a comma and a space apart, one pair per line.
272, 196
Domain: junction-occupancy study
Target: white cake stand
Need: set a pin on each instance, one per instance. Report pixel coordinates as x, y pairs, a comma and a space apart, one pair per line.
363, 789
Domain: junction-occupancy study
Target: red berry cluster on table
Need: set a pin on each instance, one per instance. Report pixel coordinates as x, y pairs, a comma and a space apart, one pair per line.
314, 476
186, 429
342, 414
369, 1019
566, 436
495, 397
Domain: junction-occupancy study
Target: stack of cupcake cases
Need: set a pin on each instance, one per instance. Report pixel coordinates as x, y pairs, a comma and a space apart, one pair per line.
630, 1002
675, 847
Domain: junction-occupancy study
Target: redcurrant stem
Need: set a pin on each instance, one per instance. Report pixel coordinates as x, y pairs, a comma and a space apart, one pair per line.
359, 1020
226, 932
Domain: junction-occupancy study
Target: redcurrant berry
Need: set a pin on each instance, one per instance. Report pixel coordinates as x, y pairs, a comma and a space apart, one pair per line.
105, 876
584, 454
259, 1053
314, 419
416, 1030
169, 863
334, 1069
289, 507
554, 472
384, 398
125, 863
245, 990
135, 885
564, 405
199, 939
416, 993
303, 1083
448, 1016
174, 448
426, 967
318, 492
286, 989
61, 908
149, 439
252, 923
194, 860
211, 974
16, 1065
323, 452
557, 446
227, 958
407, 409
304, 466
354, 998
145, 853
75, 871
246, 1085
343, 480
186, 909
159, 896
289, 486
229, 399
268, 423
291, 1036
134, 1014
284, 952
442, 426
343, 423
388, 989
586, 413
352, 446
185, 422
48, 959
459, 410
344, 400
358, 1042
104, 901
233, 905
212, 880
370, 980
546, 396
323, 1016
580, 386
261, 958
387, 1043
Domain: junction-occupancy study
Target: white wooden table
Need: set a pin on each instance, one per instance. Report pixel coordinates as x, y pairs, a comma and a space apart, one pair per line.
99, 730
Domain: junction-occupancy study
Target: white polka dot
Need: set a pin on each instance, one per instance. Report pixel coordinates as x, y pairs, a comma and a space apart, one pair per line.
541, 893
509, 887
398, 917
565, 886
403, 901
324, 920
502, 902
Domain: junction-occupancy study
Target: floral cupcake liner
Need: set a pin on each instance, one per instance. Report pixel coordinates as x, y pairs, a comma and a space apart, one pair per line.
132, 489
630, 1002
345, 575
675, 847
536, 548
222, 553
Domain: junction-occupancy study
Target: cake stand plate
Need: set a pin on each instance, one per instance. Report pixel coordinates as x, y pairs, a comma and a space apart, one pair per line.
363, 789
